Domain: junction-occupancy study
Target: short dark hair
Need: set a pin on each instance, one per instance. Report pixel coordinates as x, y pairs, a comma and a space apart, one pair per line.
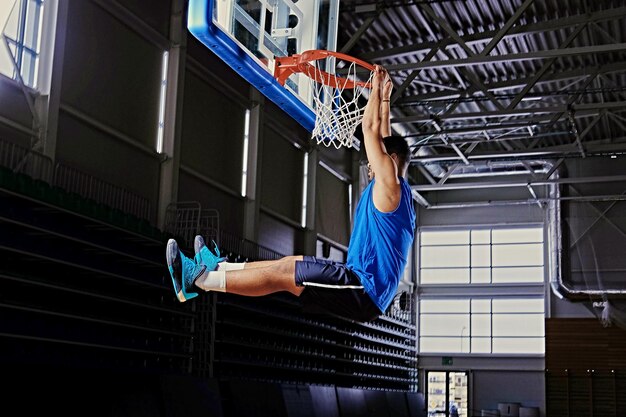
399, 146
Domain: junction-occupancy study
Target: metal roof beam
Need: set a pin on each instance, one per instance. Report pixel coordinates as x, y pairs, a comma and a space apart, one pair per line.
396, 95
505, 29
582, 110
519, 83
496, 203
451, 32
527, 56
482, 37
517, 184
546, 153
357, 35
546, 65
476, 129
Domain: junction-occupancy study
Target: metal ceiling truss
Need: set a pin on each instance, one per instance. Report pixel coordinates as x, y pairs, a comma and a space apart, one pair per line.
479, 38
574, 76
543, 118
505, 106
418, 191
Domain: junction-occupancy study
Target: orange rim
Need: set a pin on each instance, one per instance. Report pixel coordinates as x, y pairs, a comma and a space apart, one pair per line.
285, 66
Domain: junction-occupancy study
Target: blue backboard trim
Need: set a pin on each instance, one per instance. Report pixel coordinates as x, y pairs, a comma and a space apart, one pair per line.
200, 24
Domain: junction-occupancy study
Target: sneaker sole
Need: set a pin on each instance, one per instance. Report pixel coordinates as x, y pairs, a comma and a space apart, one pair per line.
198, 244
175, 267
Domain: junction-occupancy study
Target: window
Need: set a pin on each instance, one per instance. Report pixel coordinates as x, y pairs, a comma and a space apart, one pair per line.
21, 22
481, 256
491, 325
492, 301
447, 393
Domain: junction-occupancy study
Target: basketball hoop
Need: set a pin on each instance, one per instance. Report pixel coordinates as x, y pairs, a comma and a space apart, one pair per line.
336, 115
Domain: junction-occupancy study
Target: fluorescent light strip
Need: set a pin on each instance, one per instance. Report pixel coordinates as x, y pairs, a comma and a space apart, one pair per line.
304, 188
246, 139
162, 98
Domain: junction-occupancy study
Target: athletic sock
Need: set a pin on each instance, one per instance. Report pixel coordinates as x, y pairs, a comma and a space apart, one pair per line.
212, 281
230, 266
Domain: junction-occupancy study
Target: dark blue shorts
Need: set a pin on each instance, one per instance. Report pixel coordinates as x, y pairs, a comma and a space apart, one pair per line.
331, 287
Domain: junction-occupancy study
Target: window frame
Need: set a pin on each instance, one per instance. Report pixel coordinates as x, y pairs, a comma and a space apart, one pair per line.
19, 47
471, 291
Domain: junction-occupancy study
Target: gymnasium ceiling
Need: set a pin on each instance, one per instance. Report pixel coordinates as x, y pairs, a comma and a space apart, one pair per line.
494, 87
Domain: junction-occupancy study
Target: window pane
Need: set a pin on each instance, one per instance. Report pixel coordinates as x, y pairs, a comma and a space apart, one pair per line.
453, 237
32, 24
6, 66
444, 276
481, 306
22, 33
481, 255
518, 305
518, 345
524, 274
518, 325
29, 63
441, 344
503, 256
481, 236
481, 345
481, 275
445, 256
11, 14
445, 324
444, 306
528, 235
518, 255
481, 325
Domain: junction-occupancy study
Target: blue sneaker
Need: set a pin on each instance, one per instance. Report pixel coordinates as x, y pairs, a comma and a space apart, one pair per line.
205, 256
183, 271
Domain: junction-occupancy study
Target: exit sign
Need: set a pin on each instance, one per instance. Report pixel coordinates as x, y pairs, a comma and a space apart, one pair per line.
446, 360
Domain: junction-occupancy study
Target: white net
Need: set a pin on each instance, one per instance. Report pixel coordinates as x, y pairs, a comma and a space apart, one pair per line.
337, 109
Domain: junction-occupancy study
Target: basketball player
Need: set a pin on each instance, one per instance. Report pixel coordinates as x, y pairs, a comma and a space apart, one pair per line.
383, 231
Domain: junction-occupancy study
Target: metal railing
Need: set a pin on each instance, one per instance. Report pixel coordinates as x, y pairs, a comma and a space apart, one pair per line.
75, 181
247, 250
38, 166
22, 160
182, 219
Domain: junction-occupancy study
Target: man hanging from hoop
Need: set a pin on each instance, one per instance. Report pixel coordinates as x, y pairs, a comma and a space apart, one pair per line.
364, 286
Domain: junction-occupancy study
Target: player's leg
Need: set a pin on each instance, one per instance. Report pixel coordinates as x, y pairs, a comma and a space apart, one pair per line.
276, 276
188, 276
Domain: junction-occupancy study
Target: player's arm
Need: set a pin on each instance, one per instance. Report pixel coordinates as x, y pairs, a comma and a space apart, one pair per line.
385, 123
386, 193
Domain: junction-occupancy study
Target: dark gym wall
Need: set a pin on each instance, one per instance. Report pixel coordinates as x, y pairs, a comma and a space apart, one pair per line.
155, 13
110, 89
332, 218
108, 118
594, 237
111, 73
213, 130
212, 142
281, 178
14, 108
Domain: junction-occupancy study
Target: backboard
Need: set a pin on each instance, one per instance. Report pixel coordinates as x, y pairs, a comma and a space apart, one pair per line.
249, 34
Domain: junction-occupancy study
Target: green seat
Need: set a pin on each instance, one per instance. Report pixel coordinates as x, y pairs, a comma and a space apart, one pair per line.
54, 195
25, 185
40, 190
7, 179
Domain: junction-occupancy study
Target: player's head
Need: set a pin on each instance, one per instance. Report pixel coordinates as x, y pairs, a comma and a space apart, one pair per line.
397, 148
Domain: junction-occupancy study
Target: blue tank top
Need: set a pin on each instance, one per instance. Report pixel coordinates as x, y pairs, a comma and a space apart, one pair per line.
379, 244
